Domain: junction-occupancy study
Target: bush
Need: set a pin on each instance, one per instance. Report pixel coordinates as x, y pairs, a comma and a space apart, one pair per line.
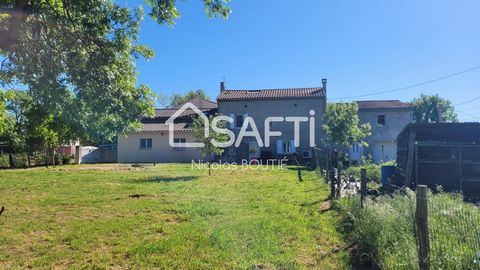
384, 230
4, 161
67, 159
373, 172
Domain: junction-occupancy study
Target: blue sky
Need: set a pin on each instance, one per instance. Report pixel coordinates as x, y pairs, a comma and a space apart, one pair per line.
362, 47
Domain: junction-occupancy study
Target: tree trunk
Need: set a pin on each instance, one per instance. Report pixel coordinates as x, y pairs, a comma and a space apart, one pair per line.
46, 156
53, 157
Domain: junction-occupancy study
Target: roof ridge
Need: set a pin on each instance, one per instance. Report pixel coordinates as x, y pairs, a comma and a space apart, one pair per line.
382, 100
204, 99
275, 89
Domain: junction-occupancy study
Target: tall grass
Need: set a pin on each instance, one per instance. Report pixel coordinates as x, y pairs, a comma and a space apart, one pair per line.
385, 230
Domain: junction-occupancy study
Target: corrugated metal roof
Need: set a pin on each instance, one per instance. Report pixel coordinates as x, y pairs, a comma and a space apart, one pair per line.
230, 95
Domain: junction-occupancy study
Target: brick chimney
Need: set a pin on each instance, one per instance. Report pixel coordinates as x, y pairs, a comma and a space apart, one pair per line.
324, 85
222, 86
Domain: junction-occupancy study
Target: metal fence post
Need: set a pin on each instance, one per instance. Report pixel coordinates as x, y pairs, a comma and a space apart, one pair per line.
421, 220
363, 187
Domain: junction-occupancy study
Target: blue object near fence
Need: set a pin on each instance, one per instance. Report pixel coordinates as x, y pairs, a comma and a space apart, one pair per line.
387, 171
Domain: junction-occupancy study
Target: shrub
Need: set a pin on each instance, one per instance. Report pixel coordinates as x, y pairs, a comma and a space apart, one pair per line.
4, 161
373, 172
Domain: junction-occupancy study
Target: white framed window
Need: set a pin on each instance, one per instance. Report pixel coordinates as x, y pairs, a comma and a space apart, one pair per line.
145, 144
286, 147
181, 141
238, 120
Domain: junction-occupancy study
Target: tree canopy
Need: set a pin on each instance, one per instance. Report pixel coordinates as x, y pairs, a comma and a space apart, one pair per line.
342, 124
76, 62
433, 109
178, 99
209, 149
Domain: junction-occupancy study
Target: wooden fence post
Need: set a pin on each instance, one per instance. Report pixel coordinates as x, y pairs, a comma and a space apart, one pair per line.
11, 160
327, 165
421, 220
363, 187
299, 171
339, 179
333, 162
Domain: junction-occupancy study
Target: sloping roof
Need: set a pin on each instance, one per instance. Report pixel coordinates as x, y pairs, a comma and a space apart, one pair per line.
446, 132
383, 104
291, 93
183, 122
201, 104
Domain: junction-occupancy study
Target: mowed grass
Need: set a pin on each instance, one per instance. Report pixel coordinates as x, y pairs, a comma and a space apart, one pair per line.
166, 217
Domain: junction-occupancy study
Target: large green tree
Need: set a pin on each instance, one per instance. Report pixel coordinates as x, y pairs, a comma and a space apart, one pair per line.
178, 99
341, 124
433, 109
76, 60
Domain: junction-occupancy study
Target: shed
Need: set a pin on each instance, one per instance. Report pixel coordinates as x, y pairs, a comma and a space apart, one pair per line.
440, 154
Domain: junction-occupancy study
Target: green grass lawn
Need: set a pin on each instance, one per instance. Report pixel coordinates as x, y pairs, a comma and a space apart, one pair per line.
84, 217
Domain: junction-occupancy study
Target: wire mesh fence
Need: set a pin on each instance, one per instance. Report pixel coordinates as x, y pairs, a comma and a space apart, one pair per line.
454, 232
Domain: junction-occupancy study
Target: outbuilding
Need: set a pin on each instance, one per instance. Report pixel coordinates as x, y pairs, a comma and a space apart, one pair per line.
445, 155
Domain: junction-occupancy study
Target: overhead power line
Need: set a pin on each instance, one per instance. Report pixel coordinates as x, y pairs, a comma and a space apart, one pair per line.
413, 85
466, 102
469, 115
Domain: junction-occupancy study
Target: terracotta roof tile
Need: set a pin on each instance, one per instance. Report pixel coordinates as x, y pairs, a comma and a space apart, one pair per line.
230, 95
383, 104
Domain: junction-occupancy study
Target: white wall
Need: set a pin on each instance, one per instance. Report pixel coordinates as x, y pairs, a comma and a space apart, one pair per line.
395, 121
129, 148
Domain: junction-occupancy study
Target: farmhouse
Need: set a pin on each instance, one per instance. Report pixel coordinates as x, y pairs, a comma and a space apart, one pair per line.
260, 104
387, 119
151, 144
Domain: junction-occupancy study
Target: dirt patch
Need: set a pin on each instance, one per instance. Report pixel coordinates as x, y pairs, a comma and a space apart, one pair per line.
325, 206
136, 196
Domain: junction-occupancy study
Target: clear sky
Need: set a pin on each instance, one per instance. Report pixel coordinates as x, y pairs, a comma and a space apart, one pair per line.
361, 47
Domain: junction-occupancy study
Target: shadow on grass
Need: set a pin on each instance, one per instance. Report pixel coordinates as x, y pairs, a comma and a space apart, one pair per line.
302, 168
166, 179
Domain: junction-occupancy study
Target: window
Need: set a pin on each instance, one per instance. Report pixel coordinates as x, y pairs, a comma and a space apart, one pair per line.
179, 140
287, 149
145, 144
239, 121
381, 120
355, 148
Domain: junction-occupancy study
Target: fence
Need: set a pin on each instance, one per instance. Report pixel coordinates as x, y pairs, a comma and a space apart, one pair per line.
414, 230
329, 165
25, 160
454, 233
